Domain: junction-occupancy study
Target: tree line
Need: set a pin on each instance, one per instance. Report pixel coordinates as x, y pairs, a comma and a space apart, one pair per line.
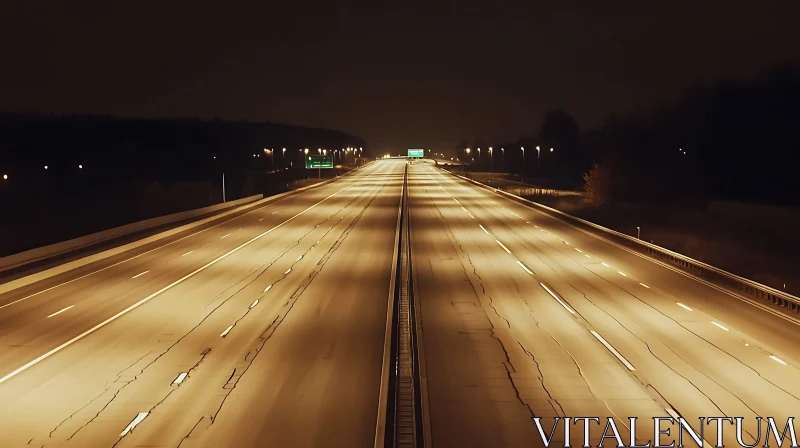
728, 139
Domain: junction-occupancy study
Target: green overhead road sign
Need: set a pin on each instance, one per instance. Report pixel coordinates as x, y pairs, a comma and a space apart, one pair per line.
416, 153
316, 162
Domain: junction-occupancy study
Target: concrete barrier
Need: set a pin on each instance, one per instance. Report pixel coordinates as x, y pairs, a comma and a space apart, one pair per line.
44, 252
62, 268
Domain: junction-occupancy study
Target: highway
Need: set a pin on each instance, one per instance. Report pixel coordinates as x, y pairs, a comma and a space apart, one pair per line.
267, 329
523, 315
264, 330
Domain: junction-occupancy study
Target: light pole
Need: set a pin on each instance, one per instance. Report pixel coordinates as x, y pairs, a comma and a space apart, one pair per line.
223, 187
283, 156
638, 232
491, 160
479, 156
523, 160
503, 158
538, 161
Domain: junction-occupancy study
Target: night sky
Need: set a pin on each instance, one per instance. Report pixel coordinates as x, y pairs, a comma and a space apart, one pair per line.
405, 75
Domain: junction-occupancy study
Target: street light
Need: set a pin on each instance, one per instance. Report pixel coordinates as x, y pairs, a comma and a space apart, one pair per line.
503, 157
80, 167
306, 151
538, 161
5, 176
491, 160
479, 155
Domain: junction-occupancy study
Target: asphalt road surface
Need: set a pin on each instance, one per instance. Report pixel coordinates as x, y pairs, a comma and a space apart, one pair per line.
525, 316
267, 330
264, 330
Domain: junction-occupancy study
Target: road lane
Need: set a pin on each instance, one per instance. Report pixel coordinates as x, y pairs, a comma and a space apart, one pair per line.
681, 358
326, 276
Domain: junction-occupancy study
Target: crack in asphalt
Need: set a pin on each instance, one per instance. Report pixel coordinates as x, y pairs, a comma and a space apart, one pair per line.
275, 324
245, 282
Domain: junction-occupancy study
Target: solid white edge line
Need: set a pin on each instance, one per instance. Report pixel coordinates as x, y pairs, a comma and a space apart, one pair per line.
139, 275
684, 306
571, 311
102, 324
134, 423
719, 325
59, 312
267, 288
484, 229
227, 330
148, 251
504, 247
524, 267
613, 350
181, 378
778, 360
254, 304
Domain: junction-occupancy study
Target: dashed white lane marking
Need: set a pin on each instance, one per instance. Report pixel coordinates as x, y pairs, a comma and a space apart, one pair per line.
644, 285
299, 258
503, 246
136, 421
578, 250
622, 273
223, 236
684, 306
605, 264
267, 288
227, 330
571, 311
719, 326
59, 312
778, 360
484, 229
253, 305
613, 350
287, 271
77, 338
187, 253
524, 267
180, 378
139, 275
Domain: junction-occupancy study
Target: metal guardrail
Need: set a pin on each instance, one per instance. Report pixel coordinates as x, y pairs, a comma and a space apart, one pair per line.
403, 421
778, 298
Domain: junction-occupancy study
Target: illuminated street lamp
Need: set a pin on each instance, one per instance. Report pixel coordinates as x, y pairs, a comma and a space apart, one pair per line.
538, 161
491, 160
80, 167
5, 176
479, 155
306, 151
523, 159
503, 157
